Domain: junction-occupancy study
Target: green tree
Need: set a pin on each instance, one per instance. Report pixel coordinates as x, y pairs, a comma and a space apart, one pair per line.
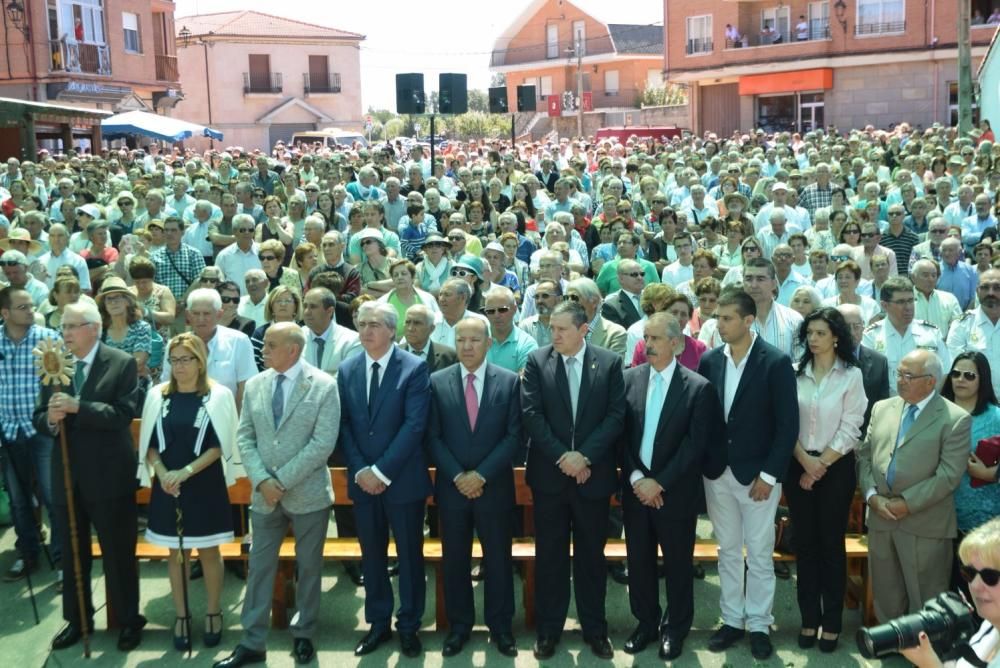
479, 101
394, 128
498, 79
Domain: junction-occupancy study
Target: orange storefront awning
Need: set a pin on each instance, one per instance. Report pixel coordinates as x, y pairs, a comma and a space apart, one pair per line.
787, 82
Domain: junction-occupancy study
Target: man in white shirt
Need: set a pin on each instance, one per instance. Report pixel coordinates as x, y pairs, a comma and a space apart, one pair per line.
774, 234
779, 200
454, 300
776, 324
253, 303
239, 258
680, 271
935, 306
196, 234
59, 255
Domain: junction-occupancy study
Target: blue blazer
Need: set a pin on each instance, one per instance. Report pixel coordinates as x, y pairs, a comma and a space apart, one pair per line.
392, 438
489, 448
760, 431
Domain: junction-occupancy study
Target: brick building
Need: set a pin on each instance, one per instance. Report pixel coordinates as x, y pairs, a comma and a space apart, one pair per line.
783, 65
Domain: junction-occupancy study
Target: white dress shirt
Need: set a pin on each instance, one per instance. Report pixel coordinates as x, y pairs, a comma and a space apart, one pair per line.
291, 377
831, 411
921, 405
734, 372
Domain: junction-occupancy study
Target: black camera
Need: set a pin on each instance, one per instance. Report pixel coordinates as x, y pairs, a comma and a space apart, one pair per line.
947, 619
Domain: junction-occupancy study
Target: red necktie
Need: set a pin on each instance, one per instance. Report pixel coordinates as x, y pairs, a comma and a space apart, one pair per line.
471, 400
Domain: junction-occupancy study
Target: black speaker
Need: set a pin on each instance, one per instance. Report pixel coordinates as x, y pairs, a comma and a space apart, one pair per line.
410, 93
498, 100
453, 93
526, 98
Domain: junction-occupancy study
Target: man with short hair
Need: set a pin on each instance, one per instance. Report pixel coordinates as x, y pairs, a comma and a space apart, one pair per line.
786, 279
327, 344
774, 234
681, 270
239, 258
909, 464
417, 327
937, 229
622, 307
59, 255
332, 247
775, 323
454, 301
870, 247
874, 366
15, 268
178, 266
287, 432
819, 194
473, 431
898, 238
956, 212
510, 345
957, 276
899, 333
253, 304
935, 306
600, 332
546, 297
977, 329
973, 226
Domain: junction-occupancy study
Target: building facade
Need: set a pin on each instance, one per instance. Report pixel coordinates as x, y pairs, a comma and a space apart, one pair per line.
800, 65
115, 55
260, 78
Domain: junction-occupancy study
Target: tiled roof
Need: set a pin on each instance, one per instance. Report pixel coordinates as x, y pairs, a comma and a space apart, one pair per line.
256, 24
637, 39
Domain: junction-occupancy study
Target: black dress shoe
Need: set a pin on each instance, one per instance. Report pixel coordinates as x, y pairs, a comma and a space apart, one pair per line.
303, 650
237, 568
478, 573
724, 638
545, 647
68, 637
698, 571
410, 645
638, 640
454, 643
670, 648
371, 641
619, 572
781, 570
807, 641
131, 635
196, 571
829, 645
394, 569
505, 644
241, 656
760, 646
354, 573
601, 647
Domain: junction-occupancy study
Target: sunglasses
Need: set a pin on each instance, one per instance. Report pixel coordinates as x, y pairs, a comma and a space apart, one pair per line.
9, 263
868, 235
244, 230
456, 239
633, 274
571, 298
230, 300
840, 258
544, 295
895, 213
267, 258
494, 311
125, 203
968, 375
989, 576
458, 272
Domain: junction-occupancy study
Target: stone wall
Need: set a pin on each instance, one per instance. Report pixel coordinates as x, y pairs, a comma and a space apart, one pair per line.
566, 126
883, 95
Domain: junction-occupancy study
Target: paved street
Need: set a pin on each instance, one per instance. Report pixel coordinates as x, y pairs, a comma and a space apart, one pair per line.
26, 646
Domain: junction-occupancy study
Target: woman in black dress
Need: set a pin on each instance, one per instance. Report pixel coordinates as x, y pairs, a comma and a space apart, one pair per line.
187, 440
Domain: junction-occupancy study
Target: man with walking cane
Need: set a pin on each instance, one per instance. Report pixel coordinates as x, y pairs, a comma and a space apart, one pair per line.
92, 416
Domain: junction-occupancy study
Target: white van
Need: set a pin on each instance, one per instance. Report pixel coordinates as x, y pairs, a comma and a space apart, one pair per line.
330, 138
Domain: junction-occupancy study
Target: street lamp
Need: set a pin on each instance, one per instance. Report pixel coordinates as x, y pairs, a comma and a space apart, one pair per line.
16, 15
185, 35
840, 9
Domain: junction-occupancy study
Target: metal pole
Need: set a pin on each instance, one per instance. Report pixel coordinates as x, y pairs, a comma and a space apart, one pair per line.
208, 92
964, 69
432, 143
513, 137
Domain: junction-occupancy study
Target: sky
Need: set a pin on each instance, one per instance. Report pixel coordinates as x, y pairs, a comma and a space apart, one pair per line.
401, 36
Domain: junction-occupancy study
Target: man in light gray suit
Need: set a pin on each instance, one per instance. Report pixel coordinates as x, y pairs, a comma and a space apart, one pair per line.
288, 429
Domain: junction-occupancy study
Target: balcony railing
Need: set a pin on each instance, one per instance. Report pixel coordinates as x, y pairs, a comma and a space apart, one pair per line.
321, 84
166, 68
699, 45
555, 51
261, 82
67, 56
879, 28
818, 29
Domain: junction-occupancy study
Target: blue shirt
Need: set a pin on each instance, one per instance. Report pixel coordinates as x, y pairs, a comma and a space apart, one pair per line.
973, 506
19, 385
513, 353
960, 280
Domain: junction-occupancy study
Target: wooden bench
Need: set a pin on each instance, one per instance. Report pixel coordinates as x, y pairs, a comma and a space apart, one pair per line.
522, 550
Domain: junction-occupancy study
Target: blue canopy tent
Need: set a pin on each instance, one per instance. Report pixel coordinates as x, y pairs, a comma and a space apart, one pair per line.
155, 126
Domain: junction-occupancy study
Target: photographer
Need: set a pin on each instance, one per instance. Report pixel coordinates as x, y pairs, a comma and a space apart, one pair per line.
980, 555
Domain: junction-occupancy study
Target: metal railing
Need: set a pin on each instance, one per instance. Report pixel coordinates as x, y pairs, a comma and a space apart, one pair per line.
321, 84
818, 29
699, 45
879, 28
166, 68
555, 51
262, 82
65, 56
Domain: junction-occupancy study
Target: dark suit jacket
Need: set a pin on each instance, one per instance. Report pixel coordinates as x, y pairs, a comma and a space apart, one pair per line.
392, 439
763, 423
102, 455
620, 311
439, 356
875, 371
489, 448
548, 421
690, 410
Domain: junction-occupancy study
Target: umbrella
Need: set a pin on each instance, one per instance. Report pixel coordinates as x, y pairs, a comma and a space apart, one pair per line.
159, 127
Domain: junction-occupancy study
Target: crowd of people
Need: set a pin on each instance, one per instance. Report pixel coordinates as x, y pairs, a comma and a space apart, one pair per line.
703, 326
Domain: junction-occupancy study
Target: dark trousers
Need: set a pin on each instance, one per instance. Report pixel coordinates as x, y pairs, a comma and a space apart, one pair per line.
647, 529
27, 462
115, 522
557, 517
343, 516
819, 519
493, 525
374, 518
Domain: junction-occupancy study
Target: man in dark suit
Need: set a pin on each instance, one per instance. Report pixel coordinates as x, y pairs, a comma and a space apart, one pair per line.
874, 365
333, 246
384, 400
473, 432
573, 404
669, 414
417, 330
757, 389
623, 306
96, 413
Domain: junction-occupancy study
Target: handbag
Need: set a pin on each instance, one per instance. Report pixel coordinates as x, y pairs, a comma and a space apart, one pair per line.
783, 531
988, 451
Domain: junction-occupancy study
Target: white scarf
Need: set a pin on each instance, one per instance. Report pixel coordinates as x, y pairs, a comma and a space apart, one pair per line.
432, 274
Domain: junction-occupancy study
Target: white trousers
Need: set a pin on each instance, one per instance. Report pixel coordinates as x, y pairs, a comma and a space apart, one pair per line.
740, 521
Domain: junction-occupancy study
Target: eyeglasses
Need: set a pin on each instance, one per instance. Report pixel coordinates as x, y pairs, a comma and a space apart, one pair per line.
968, 375
571, 298
181, 361
72, 327
782, 256
284, 302
989, 287
544, 295
244, 230
894, 214
867, 235
989, 576
267, 258
633, 274
902, 302
10, 263
230, 300
909, 376
840, 258
938, 231
459, 272
494, 311
852, 231
456, 238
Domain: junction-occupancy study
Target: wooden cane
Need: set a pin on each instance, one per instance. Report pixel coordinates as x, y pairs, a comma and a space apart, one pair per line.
77, 568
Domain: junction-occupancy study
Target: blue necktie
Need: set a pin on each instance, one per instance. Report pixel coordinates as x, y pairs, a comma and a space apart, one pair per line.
573, 376
278, 399
908, 419
654, 404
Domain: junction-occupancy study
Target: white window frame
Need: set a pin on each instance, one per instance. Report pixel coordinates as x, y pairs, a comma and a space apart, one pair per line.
545, 86
781, 19
132, 33
552, 40
818, 11
92, 15
881, 19
612, 83
580, 36
698, 28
